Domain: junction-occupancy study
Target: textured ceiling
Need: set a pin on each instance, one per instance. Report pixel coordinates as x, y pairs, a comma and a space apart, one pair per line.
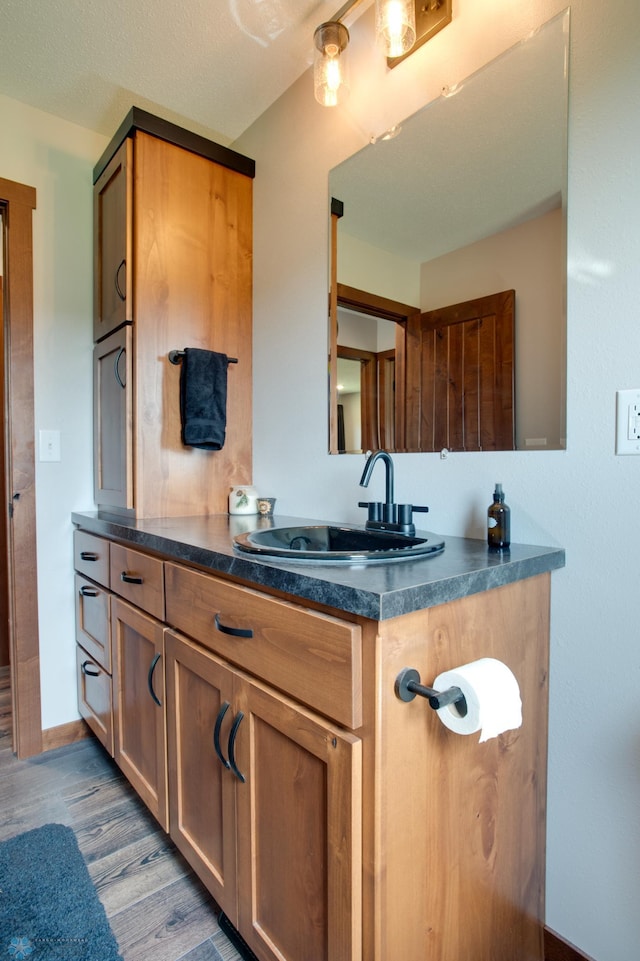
213, 65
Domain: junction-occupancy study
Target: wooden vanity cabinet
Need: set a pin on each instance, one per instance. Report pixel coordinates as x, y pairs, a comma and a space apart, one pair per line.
172, 268
330, 819
265, 804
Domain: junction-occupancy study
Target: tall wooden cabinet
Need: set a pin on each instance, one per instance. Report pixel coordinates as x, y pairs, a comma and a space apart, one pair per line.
172, 269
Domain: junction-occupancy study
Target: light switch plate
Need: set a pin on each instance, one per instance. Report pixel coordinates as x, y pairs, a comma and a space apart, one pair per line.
49, 445
628, 421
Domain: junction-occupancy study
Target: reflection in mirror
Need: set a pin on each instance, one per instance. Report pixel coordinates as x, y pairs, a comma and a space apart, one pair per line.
465, 204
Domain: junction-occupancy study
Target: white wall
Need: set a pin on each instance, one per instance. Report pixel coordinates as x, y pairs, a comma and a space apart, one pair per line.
584, 498
57, 159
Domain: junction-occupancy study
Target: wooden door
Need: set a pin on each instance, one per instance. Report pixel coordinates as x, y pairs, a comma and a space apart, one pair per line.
201, 784
299, 831
112, 225
113, 420
138, 704
460, 376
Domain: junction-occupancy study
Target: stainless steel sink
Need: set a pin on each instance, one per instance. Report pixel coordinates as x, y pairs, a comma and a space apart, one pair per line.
330, 543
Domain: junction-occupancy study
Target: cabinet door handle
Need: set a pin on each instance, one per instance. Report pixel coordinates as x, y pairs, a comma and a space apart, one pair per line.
234, 631
131, 578
88, 556
117, 280
85, 670
216, 733
89, 592
232, 747
152, 668
116, 368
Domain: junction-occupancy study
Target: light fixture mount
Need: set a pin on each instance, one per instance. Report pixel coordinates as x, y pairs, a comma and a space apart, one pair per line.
431, 17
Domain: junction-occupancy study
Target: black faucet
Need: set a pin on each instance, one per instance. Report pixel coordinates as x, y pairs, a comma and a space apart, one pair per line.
388, 516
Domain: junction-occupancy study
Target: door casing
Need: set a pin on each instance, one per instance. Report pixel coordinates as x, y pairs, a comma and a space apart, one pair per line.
18, 202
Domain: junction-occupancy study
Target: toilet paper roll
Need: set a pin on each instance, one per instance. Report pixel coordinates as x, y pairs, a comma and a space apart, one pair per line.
492, 695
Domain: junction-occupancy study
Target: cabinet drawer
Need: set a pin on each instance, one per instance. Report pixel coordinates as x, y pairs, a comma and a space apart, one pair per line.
315, 658
95, 697
138, 578
91, 556
92, 620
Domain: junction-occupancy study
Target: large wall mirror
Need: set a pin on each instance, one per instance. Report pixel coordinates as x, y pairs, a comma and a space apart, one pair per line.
447, 319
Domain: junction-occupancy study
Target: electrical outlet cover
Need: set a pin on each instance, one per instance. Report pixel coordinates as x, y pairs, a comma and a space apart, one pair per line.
628, 421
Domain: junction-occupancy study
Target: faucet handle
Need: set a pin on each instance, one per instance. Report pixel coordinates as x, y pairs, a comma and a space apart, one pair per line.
374, 509
405, 517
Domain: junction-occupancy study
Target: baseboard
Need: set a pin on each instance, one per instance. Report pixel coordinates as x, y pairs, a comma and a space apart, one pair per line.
64, 734
557, 949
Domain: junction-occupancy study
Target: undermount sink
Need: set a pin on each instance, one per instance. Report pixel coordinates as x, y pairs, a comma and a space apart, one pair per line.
330, 543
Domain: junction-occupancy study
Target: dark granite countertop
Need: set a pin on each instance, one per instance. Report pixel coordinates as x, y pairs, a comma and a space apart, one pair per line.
378, 591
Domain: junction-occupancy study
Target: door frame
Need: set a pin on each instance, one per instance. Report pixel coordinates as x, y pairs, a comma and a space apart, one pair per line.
364, 302
18, 202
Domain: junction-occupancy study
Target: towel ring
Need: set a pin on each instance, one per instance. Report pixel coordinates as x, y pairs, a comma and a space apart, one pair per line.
175, 356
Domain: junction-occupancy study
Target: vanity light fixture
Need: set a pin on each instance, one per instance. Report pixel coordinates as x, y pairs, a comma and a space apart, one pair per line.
401, 27
330, 81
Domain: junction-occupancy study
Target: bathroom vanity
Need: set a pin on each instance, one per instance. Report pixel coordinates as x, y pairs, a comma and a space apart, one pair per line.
252, 704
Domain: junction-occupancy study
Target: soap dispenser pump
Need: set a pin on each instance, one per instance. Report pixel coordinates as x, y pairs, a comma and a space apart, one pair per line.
498, 521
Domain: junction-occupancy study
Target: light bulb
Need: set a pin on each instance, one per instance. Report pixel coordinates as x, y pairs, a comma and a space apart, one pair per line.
396, 26
330, 68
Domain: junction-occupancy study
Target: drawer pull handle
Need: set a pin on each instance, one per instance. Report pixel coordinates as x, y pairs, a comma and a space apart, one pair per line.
232, 747
130, 578
89, 591
154, 663
216, 733
88, 556
234, 631
85, 670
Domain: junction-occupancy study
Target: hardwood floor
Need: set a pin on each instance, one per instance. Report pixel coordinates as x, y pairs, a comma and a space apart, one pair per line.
156, 907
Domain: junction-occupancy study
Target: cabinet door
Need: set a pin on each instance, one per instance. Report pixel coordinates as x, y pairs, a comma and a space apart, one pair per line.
94, 697
113, 268
299, 831
113, 420
201, 785
138, 704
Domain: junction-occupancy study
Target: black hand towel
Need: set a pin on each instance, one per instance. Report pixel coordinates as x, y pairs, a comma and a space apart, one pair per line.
203, 398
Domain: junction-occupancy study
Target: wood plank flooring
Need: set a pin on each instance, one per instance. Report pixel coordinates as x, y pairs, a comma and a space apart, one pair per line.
156, 906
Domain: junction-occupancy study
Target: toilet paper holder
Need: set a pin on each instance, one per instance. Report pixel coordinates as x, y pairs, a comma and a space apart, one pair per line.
408, 685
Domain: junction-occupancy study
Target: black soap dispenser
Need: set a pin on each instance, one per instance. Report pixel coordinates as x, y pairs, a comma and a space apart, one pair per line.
498, 521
